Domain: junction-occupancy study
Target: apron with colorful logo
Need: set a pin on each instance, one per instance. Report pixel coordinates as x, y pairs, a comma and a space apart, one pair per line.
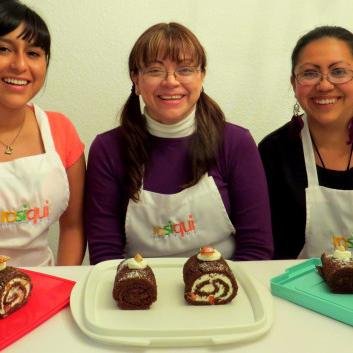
34, 192
329, 212
178, 224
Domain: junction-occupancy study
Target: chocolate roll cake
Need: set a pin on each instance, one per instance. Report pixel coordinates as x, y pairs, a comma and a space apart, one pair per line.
208, 279
15, 288
135, 285
337, 271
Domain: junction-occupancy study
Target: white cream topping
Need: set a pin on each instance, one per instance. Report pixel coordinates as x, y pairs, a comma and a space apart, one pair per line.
214, 256
344, 255
14, 294
132, 264
209, 288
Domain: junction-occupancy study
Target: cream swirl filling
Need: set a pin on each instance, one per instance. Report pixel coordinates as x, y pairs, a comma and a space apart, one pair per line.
14, 293
206, 285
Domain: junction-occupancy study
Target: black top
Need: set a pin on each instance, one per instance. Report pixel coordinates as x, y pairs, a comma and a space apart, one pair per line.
283, 159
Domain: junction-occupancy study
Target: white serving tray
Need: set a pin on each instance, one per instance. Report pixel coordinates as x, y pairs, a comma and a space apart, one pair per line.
170, 321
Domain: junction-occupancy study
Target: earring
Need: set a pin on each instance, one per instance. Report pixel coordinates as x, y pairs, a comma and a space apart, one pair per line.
296, 109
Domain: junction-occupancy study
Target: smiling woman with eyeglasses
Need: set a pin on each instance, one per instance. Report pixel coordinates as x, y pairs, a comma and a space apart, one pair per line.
308, 161
174, 176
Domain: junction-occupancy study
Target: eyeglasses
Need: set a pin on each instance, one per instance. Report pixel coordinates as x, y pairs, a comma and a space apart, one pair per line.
182, 74
336, 76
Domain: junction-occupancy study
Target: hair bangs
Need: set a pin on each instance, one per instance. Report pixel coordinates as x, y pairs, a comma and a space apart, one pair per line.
29, 34
174, 47
167, 41
34, 34
34, 30
8, 24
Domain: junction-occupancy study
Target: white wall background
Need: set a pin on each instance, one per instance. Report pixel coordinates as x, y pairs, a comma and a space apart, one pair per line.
248, 42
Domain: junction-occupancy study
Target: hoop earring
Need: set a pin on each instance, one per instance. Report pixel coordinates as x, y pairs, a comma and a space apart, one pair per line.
296, 109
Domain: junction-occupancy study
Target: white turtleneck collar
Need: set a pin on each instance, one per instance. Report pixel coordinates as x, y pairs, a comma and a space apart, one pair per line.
183, 128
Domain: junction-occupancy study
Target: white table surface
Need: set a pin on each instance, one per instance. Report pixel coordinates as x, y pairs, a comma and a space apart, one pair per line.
295, 329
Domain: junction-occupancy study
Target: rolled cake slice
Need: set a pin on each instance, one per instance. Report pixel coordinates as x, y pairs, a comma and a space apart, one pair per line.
15, 288
337, 271
208, 279
135, 285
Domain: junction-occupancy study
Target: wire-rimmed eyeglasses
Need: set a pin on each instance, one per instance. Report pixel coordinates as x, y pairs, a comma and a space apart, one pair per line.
182, 74
335, 76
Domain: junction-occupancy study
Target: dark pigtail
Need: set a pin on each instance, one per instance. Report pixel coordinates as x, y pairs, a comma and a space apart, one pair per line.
135, 149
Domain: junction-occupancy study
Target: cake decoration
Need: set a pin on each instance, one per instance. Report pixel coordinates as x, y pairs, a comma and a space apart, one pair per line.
337, 268
341, 253
208, 279
137, 262
15, 288
3, 261
135, 285
339, 241
208, 253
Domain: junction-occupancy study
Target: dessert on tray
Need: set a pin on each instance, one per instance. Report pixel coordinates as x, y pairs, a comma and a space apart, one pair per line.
15, 288
135, 285
208, 279
337, 269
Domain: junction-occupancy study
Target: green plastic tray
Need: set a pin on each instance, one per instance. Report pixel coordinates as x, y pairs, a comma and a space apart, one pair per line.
301, 284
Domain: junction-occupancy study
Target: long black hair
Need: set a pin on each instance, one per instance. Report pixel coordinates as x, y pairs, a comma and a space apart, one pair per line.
173, 41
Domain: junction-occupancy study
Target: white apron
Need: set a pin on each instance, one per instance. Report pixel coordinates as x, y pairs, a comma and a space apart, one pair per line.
34, 193
178, 224
328, 211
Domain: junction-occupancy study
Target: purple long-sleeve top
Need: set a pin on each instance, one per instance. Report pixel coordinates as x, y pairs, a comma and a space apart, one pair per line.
238, 174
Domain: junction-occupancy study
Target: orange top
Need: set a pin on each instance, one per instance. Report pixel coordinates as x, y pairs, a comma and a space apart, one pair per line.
66, 140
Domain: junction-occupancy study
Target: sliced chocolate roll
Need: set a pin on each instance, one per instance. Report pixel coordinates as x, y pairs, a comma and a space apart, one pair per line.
15, 288
208, 279
337, 271
135, 285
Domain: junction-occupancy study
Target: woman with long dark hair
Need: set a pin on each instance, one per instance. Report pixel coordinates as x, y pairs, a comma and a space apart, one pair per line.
174, 176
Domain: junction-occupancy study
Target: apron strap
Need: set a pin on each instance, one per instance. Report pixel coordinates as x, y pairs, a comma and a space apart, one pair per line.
43, 123
309, 156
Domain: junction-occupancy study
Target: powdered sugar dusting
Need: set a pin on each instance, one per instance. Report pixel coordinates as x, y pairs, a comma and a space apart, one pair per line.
343, 263
124, 272
211, 266
132, 274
